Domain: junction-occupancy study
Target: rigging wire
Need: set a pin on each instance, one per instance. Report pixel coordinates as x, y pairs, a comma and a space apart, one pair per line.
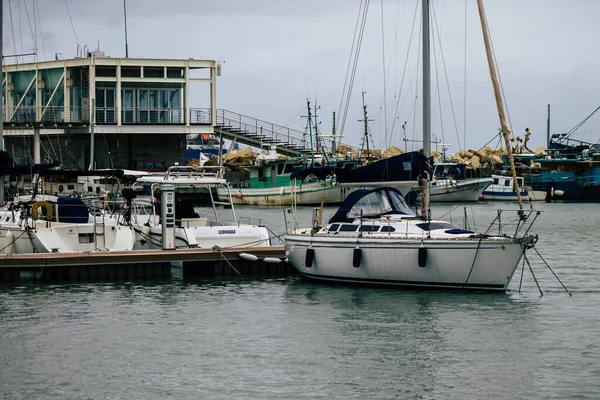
349, 57
499, 75
446, 75
72, 25
437, 83
405, 67
465, 85
33, 34
355, 64
385, 118
39, 22
12, 28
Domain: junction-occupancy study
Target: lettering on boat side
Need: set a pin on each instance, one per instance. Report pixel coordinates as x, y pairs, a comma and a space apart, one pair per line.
227, 232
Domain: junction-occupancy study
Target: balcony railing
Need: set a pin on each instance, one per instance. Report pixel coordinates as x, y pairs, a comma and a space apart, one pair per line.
107, 116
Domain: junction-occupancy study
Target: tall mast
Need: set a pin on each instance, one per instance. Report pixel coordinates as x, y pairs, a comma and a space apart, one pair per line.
366, 121
548, 129
499, 103
333, 149
425, 211
310, 135
1, 102
125, 15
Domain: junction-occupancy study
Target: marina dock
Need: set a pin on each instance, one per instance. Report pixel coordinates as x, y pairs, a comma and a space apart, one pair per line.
145, 264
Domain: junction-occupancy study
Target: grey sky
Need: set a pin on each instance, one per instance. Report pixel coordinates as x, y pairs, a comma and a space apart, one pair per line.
278, 53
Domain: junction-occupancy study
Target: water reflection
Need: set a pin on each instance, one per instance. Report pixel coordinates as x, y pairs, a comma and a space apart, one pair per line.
415, 342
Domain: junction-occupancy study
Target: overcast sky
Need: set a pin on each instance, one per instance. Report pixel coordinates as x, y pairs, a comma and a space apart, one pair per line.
276, 54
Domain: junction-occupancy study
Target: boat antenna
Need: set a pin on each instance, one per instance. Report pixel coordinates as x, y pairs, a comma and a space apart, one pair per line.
426, 211
499, 104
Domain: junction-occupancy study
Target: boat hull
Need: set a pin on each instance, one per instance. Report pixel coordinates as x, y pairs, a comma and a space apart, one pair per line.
463, 263
313, 193
499, 195
458, 191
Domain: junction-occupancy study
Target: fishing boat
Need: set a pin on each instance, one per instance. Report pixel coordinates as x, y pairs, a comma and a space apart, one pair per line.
374, 238
285, 181
193, 230
503, 189
447, 184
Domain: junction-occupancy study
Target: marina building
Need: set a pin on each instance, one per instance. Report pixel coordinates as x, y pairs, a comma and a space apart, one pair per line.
107, 112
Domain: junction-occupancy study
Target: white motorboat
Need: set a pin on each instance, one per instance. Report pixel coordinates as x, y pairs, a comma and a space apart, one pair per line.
193, 230
503, 189
375, 238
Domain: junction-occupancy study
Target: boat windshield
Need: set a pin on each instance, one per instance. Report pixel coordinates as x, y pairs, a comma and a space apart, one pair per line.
379, 203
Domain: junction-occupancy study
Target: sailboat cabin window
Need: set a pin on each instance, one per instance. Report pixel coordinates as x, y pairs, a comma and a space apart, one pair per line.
334, 227
507, 183
496, 181
348, 228
369, 228
388, 229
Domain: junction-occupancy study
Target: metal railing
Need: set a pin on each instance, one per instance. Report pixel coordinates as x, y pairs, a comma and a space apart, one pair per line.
257, 129
106, 115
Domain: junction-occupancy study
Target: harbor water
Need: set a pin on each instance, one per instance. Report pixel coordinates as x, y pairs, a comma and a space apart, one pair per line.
287, 338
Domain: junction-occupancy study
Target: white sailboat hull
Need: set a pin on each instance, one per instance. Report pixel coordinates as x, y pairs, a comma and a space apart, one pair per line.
464, 263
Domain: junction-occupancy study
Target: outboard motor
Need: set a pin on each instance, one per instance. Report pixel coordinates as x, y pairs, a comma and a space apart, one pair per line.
128, 194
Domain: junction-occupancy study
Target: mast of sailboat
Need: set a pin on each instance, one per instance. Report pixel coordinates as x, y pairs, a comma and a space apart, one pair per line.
125, 16
310, 135
425, 211
333, 149
499, 102
1, 102
548, 129
366, 122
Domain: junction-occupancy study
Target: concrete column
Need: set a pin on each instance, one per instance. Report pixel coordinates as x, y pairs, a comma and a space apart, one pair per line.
186, 97
36, 146
67, 96
38, 95
118, 95
8, 97
213, 94
92, 88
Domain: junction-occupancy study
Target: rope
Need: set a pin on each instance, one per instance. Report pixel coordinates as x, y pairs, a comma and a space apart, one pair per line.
474, 259
218, 249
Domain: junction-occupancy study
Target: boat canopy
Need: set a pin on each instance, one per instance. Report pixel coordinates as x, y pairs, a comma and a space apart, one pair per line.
403, 167
371, 203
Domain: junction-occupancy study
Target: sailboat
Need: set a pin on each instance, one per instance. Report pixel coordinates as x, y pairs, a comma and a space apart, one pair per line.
375, 238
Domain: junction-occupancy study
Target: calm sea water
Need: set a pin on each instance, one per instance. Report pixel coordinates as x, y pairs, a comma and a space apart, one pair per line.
292, 339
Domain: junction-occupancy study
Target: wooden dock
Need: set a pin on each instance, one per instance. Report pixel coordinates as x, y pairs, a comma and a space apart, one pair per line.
145, 264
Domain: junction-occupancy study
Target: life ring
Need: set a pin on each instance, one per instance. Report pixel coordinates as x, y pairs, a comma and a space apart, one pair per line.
47, 206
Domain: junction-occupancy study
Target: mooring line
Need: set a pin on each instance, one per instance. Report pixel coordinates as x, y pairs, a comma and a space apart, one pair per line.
218, 249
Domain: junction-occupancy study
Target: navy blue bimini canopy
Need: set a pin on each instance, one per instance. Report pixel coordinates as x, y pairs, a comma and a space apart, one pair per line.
371, 203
